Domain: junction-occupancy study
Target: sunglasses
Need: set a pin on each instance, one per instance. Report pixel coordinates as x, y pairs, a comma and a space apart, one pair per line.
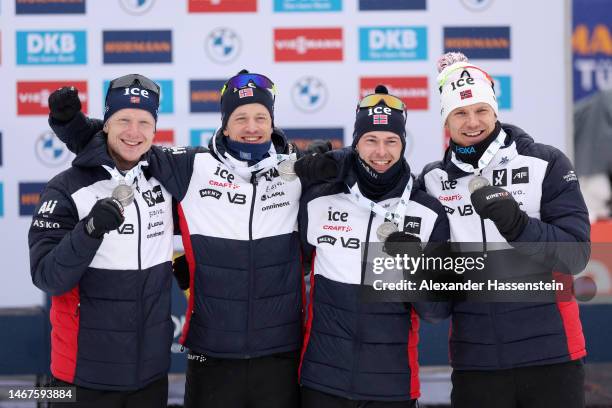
390, 101
134, 79
243, 80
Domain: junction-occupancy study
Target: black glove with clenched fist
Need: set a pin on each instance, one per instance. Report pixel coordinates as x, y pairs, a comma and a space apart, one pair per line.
319, 146
106, 215
316, 167
64, 104
497, 204
400, 243
180, 269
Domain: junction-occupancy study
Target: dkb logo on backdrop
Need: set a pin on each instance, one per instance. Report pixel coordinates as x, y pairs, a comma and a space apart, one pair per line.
51, 47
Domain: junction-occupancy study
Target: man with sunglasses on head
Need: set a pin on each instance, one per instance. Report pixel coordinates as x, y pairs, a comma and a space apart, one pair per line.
509, 354
238, 219
358, 353
109, 280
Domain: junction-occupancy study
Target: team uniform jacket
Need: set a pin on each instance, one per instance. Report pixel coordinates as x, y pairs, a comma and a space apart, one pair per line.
491, 336
110, 304
242, 246
352, 349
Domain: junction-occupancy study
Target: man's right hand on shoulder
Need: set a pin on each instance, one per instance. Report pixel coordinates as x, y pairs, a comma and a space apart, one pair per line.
64, 104
106, 215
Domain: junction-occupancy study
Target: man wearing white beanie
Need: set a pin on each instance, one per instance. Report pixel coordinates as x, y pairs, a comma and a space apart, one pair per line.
509, 354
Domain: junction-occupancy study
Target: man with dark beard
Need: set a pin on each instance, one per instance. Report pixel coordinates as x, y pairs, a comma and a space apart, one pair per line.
238, 220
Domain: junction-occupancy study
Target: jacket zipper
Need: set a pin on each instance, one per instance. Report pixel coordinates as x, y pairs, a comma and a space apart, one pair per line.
251, 270
357, 341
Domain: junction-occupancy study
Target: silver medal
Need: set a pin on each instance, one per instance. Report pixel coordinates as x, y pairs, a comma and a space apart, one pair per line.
124, 194
384, 230
477, 183
286, 170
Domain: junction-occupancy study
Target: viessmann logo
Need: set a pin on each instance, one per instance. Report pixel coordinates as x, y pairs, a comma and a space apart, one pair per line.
308, 44
413, 91
32, 96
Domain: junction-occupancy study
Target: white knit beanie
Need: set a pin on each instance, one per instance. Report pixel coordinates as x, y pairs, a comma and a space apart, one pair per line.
462, 84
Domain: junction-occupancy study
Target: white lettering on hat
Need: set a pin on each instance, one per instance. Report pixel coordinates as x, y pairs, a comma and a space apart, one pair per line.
136, 92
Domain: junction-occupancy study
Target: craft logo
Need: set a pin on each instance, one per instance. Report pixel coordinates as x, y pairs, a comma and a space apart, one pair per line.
32, 96
51, 151
222, 45
166, 102
367, 5
302, 137
478, 42
392, 43
503, 91
134, 47
308, 44
49, 6
309, 94
222, 6
477, 5
29, 197
413, 91
51, 47
205, 95
307, 5
200, 137
164, 137
136, 7
1, 200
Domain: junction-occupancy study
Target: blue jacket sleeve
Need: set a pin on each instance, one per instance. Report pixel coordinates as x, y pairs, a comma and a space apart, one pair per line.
561, 237
77, 132
60, 250
173, 167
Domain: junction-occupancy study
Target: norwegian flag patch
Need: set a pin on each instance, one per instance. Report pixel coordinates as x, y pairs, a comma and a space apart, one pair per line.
134, 99
465, 94
381, 119
243, 93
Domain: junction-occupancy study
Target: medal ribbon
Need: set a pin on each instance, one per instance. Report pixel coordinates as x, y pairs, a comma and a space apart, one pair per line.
486, 157
265, 164
396, 216
130, 177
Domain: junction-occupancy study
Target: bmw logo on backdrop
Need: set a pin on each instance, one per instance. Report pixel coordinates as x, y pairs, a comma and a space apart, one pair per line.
309, 94
222, 45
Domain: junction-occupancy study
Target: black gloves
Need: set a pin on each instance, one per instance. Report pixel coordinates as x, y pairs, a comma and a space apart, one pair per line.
316, 167
498, 205
180, 269
400, 243
106, 215
64, 104
319, 146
